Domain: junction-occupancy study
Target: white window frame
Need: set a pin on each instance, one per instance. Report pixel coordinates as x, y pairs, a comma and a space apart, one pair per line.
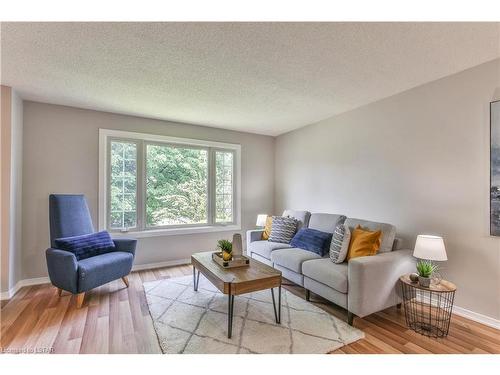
105, 137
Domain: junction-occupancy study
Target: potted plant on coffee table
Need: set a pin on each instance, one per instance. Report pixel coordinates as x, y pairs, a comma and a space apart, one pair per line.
227, 249
425, 269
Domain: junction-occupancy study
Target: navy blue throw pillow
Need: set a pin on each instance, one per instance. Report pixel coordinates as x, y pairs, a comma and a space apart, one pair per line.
312, 240
87, 245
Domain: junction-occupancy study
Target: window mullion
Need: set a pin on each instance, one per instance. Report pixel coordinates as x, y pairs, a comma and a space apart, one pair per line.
108, 183
141, 181
123, 185
211, 186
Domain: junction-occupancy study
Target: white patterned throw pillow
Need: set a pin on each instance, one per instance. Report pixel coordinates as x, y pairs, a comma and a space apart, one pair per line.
340, 243
283, 229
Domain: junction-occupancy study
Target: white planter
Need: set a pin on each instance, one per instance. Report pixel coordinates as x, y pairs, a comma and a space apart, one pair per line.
424, 281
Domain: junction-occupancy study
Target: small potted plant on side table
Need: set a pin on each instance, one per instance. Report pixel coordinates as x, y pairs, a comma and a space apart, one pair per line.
425, 269
227, 249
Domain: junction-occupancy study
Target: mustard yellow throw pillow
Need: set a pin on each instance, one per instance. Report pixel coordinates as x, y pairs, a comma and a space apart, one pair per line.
363, 243
267, 228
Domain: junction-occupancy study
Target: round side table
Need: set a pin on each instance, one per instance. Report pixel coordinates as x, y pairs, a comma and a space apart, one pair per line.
428, 309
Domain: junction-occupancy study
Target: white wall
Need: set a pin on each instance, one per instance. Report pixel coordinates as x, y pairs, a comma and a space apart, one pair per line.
419, 160
61, 156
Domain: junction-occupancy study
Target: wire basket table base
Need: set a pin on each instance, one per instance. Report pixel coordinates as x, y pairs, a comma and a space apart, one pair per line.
428, 310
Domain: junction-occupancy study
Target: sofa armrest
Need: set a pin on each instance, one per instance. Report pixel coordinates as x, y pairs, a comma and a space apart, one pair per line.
127, 245
254, 235
373, 281
63, 269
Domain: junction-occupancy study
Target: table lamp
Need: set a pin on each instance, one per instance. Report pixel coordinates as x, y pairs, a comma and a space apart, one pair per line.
261, 220
430, 248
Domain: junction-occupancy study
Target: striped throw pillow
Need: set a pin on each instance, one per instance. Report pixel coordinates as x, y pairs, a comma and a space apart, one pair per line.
283, 229
340, 243
87, 245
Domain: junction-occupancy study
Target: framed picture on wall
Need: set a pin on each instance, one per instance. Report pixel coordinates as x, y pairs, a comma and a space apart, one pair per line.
495, 168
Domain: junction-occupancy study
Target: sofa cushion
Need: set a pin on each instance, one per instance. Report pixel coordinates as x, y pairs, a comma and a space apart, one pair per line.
325, 222
283, 229
398, 244
87, 245
264, 248
312, 240
292, 258
301, 216
102, 269
388, 231
262, 259
326, 272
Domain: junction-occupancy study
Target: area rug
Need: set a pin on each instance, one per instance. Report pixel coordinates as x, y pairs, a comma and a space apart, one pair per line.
196, 322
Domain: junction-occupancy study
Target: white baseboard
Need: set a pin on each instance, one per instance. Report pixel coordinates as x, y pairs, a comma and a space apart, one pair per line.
22, 283
480, 318
9, 293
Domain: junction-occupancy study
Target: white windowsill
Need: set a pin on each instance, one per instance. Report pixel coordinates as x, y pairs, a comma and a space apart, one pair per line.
176, 231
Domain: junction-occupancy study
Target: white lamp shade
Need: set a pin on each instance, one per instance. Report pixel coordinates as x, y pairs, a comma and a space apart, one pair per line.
261, 220
430, 248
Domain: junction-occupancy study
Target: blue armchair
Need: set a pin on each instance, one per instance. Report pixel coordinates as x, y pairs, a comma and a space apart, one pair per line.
69, 216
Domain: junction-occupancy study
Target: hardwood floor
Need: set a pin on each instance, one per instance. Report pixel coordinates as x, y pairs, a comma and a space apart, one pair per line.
115, 319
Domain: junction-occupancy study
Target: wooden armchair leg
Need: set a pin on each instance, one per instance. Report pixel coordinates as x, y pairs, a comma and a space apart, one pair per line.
79, 299
125, 280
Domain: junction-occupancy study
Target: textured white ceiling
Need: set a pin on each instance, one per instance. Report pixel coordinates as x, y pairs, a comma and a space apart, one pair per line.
266, 78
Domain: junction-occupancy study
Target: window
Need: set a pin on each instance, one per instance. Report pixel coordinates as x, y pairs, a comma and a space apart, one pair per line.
223, 186
151, 184
123, 185
176, 185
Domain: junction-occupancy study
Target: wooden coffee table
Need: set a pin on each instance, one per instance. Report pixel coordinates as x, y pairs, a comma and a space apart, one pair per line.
235, 281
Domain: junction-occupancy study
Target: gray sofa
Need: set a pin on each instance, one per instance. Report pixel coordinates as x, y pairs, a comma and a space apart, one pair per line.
363, 285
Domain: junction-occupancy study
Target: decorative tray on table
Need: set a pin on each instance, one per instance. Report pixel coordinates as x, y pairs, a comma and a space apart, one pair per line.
237, 261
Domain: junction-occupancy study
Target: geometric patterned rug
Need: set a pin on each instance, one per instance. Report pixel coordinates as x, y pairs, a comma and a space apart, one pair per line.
186, 321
